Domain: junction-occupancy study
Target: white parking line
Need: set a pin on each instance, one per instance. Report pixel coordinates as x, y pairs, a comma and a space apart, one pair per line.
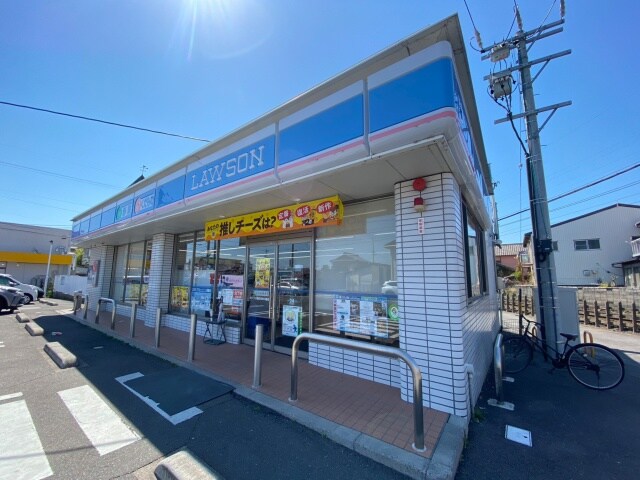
174, 419
9, 396
102, 426
21, 453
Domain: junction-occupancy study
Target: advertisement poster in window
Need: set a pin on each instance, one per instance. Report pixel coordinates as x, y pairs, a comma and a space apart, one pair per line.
263, 272
291, 320
342, 315
179, 297
92, 275
200, 298
365, 315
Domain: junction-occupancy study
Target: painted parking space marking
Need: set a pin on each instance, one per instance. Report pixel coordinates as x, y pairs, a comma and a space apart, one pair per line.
102, 426
21, 453
10, 396
174, 419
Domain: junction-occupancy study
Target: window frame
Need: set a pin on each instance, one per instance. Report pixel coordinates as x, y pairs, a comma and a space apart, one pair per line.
470, 222
589, 244
146, 255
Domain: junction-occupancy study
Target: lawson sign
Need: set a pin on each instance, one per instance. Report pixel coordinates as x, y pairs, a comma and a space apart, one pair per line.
393, 106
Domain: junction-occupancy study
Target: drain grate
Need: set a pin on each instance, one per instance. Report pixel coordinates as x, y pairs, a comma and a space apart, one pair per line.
518, 435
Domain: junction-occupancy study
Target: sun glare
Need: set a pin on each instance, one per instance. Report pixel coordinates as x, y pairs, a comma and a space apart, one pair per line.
221, 28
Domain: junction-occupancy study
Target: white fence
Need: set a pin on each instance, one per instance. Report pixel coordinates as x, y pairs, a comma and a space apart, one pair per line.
68, 284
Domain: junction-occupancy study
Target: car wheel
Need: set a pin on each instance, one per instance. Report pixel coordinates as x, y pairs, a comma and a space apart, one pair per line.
29, 298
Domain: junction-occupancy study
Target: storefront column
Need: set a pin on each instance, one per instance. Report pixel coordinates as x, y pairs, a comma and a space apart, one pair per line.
432, 291
103, 254
159, 276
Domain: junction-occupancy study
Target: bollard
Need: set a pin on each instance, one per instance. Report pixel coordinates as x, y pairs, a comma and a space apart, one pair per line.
75, 302
113, 315
97, 320
132, 325
257, 359
497, 372
86, 306
497, 367
158, 319
192, 338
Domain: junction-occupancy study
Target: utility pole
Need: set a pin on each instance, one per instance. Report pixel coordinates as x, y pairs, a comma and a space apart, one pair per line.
501, 88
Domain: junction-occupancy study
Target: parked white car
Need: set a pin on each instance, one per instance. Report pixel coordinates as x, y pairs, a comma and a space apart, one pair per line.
29, 291
10, 298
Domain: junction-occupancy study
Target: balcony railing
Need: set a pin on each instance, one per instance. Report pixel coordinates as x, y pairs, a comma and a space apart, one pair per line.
635, 247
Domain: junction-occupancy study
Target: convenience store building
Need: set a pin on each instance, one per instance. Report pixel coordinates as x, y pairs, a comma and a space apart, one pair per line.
360, 209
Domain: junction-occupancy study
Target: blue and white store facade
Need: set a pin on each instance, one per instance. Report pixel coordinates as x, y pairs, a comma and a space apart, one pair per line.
360, 209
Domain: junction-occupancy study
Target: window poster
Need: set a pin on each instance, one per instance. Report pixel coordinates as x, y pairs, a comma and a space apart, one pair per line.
180, 297
364, 315
263, 272
200, 298
341, 315
291, 320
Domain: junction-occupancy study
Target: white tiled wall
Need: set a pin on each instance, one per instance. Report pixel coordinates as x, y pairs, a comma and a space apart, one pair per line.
105, 255
445, 333
359, 364
431, 291
159, 276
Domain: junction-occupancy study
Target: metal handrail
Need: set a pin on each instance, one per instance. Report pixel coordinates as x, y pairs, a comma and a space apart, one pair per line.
390, 352
113, 310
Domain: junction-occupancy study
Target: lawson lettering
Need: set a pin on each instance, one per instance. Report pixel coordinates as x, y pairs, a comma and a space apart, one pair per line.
255, 159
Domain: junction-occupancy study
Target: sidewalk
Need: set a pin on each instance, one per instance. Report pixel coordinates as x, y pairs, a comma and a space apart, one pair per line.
576, 432
367, 417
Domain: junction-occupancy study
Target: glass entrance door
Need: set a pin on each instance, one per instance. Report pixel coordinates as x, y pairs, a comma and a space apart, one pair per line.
278, 292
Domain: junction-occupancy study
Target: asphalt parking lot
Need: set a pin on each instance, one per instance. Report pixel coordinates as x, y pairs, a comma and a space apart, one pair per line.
576, 433
45, 432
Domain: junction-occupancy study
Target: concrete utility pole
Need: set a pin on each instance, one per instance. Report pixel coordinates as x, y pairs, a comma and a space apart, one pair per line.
501, 86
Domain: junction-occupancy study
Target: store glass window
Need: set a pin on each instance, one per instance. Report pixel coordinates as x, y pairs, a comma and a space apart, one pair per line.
230, 284
119, 273
356, 288
130, 279
181, 273
194, 279
474, 252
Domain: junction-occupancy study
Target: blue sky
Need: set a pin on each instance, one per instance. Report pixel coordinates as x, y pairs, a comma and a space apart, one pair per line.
204, 68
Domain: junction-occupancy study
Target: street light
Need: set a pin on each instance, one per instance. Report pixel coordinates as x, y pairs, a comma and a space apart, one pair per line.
46, 278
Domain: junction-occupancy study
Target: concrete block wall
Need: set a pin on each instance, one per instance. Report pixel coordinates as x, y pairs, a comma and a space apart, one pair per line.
432, 291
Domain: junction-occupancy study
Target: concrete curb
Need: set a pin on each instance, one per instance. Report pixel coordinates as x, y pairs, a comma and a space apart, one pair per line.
22, 317
445, 458
185, 465
63, 357
400, 460
34, 329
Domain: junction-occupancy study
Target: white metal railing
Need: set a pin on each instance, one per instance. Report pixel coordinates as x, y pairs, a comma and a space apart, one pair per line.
635, 247
383, 350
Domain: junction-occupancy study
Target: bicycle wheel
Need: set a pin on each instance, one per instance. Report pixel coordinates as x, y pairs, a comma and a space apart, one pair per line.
516, 354
595, 366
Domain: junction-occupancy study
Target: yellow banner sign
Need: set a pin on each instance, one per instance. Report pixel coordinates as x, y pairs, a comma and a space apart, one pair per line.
316, 213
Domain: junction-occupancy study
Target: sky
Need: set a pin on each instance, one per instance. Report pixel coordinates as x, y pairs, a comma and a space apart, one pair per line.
203, 68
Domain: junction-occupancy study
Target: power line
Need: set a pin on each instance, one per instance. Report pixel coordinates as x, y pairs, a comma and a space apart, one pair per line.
104, 121
59, 175
604, 179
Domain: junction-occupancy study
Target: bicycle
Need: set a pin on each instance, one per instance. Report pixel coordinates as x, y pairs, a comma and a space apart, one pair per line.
591, 364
